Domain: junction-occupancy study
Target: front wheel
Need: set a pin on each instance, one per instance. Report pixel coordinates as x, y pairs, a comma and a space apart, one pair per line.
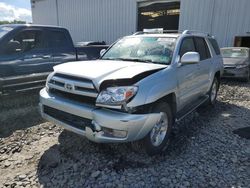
157, 140
247, 78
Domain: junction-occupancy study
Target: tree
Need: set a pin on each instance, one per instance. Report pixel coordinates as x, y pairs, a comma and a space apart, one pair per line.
12, 22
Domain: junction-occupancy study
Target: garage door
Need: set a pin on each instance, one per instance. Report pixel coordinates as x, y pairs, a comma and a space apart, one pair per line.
158, 15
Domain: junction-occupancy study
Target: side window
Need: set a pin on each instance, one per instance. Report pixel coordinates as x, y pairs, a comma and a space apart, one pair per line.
202, 48
187, 46
57, 39
25, 41
215, 46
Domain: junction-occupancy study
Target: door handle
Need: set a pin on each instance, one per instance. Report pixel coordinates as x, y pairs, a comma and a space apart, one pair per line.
37, 56
29, 57
46, 56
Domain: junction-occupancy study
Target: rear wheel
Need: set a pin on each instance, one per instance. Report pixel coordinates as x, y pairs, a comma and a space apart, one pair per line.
157, 140
213, 92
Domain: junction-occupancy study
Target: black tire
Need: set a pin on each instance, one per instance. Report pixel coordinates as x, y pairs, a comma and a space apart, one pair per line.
247, 78
213, 96
147, 141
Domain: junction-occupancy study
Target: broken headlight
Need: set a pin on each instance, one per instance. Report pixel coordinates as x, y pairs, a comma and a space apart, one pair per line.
116, 96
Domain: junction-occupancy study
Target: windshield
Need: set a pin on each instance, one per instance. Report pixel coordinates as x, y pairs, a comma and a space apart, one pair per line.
143, 49
4, 30
234, 53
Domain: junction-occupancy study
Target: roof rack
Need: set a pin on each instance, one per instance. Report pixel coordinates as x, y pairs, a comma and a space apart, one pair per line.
196, 32
155, 31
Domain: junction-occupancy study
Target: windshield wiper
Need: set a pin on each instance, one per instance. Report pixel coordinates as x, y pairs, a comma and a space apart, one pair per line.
136, 60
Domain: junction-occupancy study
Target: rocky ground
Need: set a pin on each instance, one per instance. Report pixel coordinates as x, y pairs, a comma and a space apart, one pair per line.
204, 152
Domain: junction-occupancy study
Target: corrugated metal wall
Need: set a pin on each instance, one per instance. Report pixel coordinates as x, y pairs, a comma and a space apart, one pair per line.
223, 18
91, 20
44, 12
108, 20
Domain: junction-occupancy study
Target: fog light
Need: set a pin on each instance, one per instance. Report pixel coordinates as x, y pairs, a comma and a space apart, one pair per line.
113, 133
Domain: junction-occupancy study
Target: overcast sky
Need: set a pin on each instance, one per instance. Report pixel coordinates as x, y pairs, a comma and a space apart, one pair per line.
15, 10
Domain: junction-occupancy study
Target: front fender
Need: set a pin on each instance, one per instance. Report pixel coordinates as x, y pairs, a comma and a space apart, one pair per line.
155, 87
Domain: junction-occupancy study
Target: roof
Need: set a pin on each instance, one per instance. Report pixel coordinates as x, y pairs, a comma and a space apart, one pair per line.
30, 25
173, 35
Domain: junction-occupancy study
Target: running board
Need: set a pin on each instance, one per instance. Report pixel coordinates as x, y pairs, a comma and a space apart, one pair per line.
186, 111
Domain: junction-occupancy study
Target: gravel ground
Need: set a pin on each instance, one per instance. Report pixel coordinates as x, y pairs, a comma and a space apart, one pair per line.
204, 152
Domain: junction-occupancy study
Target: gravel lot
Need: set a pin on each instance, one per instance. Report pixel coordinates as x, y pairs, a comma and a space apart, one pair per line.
204, 152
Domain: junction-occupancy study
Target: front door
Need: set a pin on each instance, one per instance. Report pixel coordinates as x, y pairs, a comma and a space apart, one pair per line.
31, 54
26, 64
187, 76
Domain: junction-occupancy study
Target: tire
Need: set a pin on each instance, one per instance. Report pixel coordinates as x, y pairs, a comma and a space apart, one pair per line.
213, 92
152, 144
247, 78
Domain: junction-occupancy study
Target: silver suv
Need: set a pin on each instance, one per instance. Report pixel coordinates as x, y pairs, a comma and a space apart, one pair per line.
137, 90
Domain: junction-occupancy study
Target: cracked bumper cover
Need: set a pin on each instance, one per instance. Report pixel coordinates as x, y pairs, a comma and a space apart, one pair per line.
137, 126
235, 73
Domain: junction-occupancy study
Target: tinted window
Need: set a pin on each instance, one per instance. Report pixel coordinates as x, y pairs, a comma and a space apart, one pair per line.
215, 46
25, 41
4, 30
58, 39
187, 46
201, 48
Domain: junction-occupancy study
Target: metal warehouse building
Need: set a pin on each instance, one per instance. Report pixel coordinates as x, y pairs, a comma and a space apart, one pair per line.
107, 20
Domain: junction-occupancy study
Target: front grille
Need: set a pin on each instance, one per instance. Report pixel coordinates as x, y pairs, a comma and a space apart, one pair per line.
73, 84
73, 97
70, 119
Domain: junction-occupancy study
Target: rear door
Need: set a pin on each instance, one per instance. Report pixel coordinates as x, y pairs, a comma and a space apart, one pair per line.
188, 80
204, 65
61, 46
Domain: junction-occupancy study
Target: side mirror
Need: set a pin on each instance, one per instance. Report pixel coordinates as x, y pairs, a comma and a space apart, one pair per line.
13, 47
102, 52
190, 58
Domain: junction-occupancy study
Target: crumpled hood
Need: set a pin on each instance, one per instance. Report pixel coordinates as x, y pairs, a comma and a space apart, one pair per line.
100, 70
234, 61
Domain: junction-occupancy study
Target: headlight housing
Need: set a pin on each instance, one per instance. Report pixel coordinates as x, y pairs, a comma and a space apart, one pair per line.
116, 96
241, 66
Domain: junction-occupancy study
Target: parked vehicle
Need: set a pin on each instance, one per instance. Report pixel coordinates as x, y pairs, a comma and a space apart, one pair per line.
137, 90
236, 62
28, 54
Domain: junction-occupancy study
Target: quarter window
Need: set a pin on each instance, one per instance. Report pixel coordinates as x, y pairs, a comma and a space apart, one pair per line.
215, 46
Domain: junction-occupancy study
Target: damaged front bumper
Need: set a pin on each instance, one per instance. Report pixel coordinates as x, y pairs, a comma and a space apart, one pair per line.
97, 124
233, 72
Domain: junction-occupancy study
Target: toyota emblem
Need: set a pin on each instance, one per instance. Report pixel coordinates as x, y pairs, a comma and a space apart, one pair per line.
69, 86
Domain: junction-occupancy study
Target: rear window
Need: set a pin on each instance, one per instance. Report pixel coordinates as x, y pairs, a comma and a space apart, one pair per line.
215, 46
234, 53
